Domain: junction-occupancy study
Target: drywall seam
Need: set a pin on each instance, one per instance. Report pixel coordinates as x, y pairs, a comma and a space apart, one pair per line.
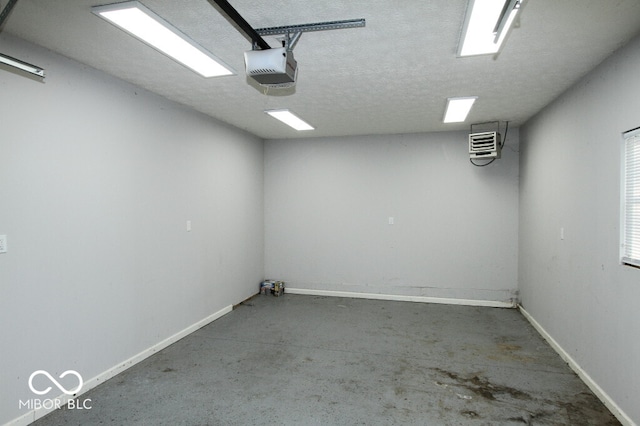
34, 415
402, 298
595, 388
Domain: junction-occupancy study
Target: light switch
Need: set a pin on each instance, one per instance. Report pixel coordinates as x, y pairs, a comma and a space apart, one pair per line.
3, 243
188, 226
391, 220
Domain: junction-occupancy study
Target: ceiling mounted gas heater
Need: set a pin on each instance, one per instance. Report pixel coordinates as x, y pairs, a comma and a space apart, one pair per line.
486, 142
275, 67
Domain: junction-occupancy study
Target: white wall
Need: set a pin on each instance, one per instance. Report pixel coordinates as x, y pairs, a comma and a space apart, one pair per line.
97, 180
328, 201
570, 178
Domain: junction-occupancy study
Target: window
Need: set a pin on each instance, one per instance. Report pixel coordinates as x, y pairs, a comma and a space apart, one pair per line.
631, 198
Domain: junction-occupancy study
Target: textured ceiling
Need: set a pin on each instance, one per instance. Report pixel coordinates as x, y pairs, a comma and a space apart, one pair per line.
393, 76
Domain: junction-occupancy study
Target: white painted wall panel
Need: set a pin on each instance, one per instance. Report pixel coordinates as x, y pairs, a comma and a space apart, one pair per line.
570, 178
328, 203
97, 180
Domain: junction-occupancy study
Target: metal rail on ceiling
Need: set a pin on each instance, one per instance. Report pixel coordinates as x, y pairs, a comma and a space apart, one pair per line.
292, 32
242, 25
7, 9
319, 26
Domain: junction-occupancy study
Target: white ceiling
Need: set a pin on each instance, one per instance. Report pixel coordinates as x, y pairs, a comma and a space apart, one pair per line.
393, 76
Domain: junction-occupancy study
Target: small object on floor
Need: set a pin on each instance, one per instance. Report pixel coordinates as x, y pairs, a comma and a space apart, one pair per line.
278, 288
272, 287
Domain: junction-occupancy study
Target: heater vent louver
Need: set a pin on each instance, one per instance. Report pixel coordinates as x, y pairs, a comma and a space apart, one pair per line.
484, 145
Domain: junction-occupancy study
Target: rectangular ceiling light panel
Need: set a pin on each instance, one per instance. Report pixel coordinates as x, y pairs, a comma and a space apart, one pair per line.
290, 119
458, 109
486, 26
140, 22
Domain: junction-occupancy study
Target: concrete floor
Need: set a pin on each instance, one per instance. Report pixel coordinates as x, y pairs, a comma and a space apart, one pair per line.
307, 360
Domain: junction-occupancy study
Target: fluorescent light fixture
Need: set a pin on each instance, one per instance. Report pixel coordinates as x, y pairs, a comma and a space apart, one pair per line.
290, 119
507, 16
142, 23
458, 109
16, 63
487, 23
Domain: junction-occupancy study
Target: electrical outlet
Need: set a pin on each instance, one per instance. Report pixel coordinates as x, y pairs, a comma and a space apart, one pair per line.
3, 243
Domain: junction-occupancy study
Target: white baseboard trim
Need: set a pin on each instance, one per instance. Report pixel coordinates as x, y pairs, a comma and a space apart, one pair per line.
34, 415
401, 298
595, 388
